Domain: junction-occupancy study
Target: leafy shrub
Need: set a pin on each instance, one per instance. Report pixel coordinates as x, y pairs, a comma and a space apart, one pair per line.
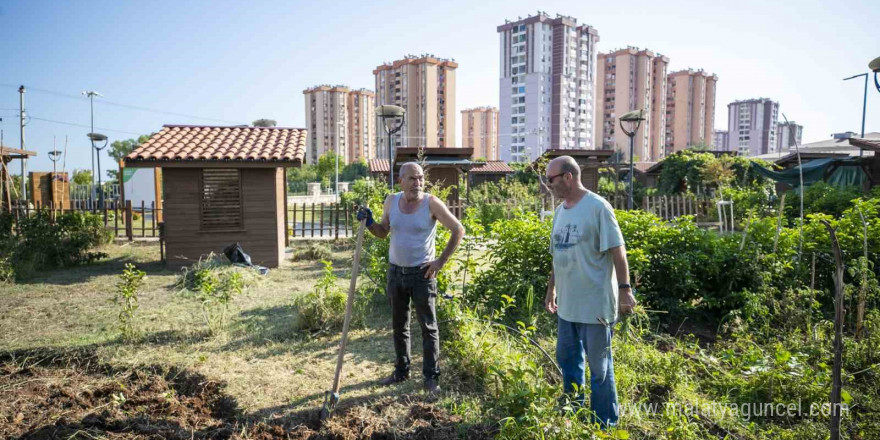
519, 265
215, 284
41, 243
130, 281
821, 197
324, 307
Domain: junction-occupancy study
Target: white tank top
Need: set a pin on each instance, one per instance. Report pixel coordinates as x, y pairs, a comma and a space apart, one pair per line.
412, 235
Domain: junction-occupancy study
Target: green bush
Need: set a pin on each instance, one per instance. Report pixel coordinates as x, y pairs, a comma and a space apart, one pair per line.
215, 283
41, 242
126, 297
324, 307
519, 265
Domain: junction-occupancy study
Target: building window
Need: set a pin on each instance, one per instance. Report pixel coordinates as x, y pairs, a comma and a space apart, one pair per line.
221, 205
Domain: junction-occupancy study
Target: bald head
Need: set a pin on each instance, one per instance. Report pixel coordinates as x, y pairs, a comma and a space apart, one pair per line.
410, 168
565, 164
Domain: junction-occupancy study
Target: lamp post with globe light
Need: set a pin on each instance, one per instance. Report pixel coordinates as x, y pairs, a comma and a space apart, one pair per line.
393, 118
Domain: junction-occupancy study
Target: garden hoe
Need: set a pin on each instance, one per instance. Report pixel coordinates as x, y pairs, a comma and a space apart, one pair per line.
331, 398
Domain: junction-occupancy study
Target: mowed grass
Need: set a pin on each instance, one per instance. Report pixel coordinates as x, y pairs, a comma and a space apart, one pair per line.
269, 367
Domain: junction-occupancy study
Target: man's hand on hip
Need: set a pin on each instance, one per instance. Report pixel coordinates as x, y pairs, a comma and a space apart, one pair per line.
433, 268
626, 301
550, 301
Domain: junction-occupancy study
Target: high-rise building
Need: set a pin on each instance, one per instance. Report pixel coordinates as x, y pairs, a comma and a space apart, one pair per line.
548, 81
752, 126
720, 140
480, 131
787, 134
425, 87
632, 79
361, 125
341, 120
690, 109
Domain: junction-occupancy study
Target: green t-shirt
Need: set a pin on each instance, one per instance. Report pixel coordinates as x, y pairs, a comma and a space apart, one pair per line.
586, 283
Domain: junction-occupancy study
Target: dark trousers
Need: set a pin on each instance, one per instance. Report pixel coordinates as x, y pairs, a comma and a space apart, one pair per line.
405, 285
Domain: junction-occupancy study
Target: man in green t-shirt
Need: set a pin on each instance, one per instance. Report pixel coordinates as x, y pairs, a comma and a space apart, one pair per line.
589, 285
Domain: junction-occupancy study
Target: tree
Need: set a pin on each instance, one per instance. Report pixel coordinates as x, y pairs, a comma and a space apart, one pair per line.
327, 165
354, 171
119, 149
82, 177
264, 123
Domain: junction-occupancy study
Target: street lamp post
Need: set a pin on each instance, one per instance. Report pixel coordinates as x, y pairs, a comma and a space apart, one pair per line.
388, 114
98, 137
54, 156
91, 94
864, 102
634, 120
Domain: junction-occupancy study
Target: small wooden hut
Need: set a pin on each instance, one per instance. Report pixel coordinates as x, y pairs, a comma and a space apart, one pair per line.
223, 185
589, 161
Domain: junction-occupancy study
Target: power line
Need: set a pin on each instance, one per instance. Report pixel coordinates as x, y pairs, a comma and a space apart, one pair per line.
73, 124
128, 106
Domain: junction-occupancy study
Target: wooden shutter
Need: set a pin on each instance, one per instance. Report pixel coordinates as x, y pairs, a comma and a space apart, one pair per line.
221, 200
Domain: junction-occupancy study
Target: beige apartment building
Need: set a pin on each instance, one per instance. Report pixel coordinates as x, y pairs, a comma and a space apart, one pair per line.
632, 79
425, 87
361, 125
480, 131
690, 109
342, 120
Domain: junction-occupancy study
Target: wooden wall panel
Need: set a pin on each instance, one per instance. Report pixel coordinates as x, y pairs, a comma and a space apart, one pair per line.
186, 242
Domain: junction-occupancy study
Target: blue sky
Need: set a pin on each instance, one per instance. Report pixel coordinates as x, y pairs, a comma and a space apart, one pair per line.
237, 61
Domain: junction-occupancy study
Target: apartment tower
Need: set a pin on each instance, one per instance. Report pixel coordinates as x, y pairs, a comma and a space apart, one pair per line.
720, 140
547, 86
480, 131
425, 87
690, 109
752, 126
787, 134
632, 79
361, 125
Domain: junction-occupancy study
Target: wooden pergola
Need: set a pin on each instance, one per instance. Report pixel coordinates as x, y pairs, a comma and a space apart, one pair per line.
8, 154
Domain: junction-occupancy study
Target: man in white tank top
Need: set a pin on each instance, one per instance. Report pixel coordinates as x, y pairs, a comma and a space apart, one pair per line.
410, 217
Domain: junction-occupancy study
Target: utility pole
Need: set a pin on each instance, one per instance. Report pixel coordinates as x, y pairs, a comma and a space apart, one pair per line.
21, 91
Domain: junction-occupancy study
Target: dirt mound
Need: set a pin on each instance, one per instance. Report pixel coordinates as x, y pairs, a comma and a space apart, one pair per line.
49, 395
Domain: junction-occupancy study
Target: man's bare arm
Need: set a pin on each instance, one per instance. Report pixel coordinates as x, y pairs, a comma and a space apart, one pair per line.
626, 299
383, 227
445, 217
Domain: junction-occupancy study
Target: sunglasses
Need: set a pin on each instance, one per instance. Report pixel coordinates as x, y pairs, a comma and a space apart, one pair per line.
550, 178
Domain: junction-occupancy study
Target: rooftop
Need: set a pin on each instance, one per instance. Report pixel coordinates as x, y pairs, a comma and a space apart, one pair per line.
235, 145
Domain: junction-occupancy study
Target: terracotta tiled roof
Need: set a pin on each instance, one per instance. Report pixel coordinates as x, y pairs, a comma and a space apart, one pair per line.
378, 165
492, 167
184, 143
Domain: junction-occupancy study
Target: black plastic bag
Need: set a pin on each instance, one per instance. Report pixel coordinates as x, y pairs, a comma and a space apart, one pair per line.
236, 255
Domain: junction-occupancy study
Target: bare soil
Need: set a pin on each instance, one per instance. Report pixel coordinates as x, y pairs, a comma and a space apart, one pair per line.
71, 395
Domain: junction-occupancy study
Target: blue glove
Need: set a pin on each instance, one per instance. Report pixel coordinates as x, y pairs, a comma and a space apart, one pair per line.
366, 213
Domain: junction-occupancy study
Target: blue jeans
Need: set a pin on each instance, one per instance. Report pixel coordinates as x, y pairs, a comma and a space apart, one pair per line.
573, 340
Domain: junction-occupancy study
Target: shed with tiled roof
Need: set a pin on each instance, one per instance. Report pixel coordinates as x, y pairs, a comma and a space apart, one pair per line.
223, 185
490, 171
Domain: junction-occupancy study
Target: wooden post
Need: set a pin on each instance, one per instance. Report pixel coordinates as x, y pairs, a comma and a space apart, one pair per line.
153, 221
336, 223
836, 382
293, 226
116, 219
313, 219
322, 220
304, 220
286, 218
143, 220
129, 232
